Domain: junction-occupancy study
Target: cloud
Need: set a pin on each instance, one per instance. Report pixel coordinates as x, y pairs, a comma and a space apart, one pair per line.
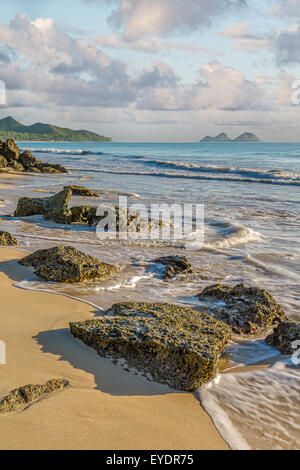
141, 18
217, 87
244, 38
287, 46
153, 45
287, 8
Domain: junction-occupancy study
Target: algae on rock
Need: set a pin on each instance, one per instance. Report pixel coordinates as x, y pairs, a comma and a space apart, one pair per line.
21, 397
174, 265
67, 264
245, 309
178, 346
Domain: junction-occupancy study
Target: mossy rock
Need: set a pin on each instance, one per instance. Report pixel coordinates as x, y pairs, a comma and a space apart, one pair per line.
284, 336
10, 150
7, 239
246, 309
80, 214
67, 264
177, 345
21, 397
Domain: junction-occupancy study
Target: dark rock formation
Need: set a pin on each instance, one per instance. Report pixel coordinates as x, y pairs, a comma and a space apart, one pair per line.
3, 162
11, 157
284, 336
81, 191
80, 214
176, 345
55, 207
245, 309
21, 397
67, 264
174, 265
6, 239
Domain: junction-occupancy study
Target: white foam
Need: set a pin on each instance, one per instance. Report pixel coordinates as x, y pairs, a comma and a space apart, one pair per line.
257, 410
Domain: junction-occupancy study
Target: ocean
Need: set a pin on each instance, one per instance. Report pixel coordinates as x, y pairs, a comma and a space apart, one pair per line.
251, 198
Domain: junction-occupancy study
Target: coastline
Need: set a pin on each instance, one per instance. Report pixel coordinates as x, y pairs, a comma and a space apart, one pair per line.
103, 407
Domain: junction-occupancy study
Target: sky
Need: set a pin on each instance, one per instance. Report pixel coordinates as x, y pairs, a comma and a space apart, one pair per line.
153, 70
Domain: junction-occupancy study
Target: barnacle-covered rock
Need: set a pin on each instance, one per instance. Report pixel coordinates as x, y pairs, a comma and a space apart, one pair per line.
245, 309
21, 397
178, 346
284, 337
67, 264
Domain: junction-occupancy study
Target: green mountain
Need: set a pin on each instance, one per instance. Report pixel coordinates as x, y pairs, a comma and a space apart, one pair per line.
219, 138
10, 128
246, 137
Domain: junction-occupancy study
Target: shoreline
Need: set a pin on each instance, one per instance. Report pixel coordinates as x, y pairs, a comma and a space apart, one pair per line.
103, 407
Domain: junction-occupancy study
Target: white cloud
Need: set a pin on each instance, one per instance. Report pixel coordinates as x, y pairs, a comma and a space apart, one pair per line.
140, 18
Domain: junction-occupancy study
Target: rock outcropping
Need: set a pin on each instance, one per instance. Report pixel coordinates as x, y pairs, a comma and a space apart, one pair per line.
55, 207
246, 309
11, 157
284, 336
174, 265
21, 397
176, 345
7, 239
67, 264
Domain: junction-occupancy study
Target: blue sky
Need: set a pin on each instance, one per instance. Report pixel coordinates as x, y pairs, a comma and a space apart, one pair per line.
153, 70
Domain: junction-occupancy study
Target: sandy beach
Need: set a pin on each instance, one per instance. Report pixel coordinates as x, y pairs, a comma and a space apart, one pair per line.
103, 407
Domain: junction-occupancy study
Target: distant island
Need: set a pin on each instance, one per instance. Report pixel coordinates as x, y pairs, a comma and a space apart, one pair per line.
12, 129
246, 137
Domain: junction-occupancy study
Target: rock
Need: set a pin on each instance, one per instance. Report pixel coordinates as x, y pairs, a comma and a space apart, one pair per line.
245, 309
50, 168
21, 397
55, 207
174, 265
80, 214
67, 264
10, 150
284, 336
3, 162
81, 191
7, 239
178, 346
16, 165
27, 160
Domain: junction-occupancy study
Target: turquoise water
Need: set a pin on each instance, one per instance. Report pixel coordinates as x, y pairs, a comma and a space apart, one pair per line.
251, 196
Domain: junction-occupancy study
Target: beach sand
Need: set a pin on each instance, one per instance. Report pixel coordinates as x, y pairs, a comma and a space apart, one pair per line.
104, 407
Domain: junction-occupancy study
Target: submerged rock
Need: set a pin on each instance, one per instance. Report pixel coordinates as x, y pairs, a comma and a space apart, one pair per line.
178, 346
81, 191
245, 309
23, 396
67, 264
55, 207
284, 336
174, 265
7, 239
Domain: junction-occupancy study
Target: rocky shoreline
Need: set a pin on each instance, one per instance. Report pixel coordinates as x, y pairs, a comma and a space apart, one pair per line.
175, 345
